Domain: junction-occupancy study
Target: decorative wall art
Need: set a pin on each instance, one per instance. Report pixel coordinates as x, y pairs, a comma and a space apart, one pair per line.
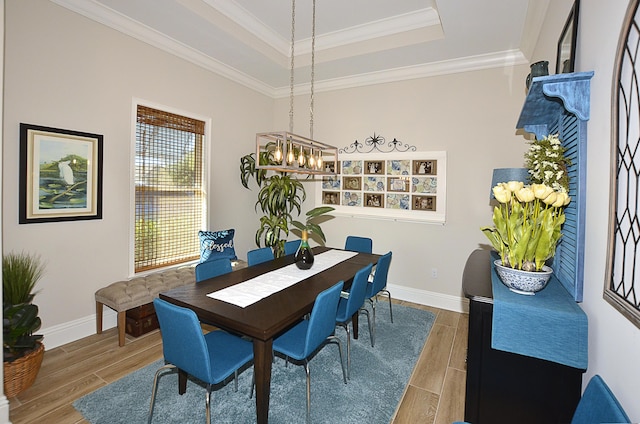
60, 175
384, 180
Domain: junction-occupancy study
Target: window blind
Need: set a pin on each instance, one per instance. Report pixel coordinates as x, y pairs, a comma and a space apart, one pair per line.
169, 194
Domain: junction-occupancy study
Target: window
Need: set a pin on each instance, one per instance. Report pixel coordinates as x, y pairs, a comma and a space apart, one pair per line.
169, 194
622, 286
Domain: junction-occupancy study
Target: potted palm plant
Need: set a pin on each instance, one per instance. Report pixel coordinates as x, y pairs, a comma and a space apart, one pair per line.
23, 350
278, 196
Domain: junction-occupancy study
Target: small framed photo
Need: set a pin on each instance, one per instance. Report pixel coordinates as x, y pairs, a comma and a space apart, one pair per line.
398, 184
330, 198
374, 167
330, 167
425, 167
352, 183
374, 200
424, 203
60, 175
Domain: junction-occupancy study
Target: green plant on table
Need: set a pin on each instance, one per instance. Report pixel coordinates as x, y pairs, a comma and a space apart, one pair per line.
311, 226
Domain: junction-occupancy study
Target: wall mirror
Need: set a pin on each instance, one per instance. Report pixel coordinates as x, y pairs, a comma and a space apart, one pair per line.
566, 55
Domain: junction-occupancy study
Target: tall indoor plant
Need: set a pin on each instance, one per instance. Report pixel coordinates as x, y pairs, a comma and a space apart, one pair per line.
22, 349
278, 196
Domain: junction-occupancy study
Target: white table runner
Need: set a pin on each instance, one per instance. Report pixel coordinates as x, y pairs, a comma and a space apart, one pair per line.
250, 291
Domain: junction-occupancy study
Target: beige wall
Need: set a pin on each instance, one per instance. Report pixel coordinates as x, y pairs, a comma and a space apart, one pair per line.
470, 115
66, 71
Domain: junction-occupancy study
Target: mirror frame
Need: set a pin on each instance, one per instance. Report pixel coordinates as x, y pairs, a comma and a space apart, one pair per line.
566, 53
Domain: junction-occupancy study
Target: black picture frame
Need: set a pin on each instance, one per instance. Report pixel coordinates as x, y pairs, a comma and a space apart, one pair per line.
60, 175
566, 52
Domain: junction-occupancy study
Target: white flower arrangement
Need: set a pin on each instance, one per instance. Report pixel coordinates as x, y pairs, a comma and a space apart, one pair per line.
547, 163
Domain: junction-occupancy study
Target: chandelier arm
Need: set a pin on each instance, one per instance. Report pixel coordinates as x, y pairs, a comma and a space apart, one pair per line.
313, 73
293, 31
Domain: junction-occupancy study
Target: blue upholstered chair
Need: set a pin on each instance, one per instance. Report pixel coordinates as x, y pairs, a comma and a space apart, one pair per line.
379, 285
210, 358
258, 256
291, 247
212, 268
597, 405
353, 304
303, 339
359, 244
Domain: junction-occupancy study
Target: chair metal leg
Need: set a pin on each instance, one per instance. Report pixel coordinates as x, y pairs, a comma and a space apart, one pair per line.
345, 325
389, 296
306, 369
337, 340
235, 381
155, 387
208, 400
371, 328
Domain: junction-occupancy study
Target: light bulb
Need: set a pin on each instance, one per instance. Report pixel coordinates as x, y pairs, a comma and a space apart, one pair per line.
301, 157
312, 159
278, 153
319, 163
290, 156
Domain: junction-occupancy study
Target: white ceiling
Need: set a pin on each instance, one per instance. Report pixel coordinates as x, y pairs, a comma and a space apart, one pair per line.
358, 42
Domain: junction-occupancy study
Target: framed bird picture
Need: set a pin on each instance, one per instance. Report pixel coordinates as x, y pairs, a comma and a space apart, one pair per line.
60, 175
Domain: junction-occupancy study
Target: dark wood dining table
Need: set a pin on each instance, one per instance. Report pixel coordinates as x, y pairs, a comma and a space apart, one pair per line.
266, 319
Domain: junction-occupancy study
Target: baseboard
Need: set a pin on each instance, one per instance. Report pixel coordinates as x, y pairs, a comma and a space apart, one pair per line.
4, 410
68, 332
75, 330
424, 297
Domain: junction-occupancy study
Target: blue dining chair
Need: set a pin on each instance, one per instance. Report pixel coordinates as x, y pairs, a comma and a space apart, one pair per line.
258, 256
377, 286
210, 357
306, 337
291, 247
359, 244
212, 268
352, 304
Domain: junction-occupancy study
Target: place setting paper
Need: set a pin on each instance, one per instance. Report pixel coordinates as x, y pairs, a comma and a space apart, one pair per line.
250, 291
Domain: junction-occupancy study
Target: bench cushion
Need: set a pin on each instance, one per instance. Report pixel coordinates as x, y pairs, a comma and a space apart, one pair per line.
124, 295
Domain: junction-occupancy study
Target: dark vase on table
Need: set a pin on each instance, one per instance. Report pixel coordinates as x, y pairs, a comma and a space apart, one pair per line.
304, 256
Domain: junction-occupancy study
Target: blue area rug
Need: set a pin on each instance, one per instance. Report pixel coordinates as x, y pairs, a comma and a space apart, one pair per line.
378, 378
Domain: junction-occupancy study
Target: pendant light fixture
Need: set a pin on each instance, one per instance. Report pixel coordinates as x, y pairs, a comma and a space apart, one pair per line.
289, 152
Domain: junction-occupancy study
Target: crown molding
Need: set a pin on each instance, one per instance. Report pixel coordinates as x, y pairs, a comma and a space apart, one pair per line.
121, 23
113, 19
503, 59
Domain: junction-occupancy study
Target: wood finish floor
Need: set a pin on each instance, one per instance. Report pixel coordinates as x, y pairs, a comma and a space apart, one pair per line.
434, 395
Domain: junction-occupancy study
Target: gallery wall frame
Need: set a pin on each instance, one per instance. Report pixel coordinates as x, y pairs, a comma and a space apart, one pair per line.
60, 175
402, 186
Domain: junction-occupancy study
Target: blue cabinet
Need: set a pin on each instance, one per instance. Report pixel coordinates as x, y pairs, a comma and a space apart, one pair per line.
560, 104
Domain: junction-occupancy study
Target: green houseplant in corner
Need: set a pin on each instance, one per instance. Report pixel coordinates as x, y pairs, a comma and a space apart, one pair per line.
278, 196
22, 349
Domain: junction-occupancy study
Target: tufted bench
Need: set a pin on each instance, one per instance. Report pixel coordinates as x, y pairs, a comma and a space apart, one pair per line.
129, 294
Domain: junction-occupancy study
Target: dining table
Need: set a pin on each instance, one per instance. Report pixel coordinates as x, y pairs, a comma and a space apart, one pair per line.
265, 319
